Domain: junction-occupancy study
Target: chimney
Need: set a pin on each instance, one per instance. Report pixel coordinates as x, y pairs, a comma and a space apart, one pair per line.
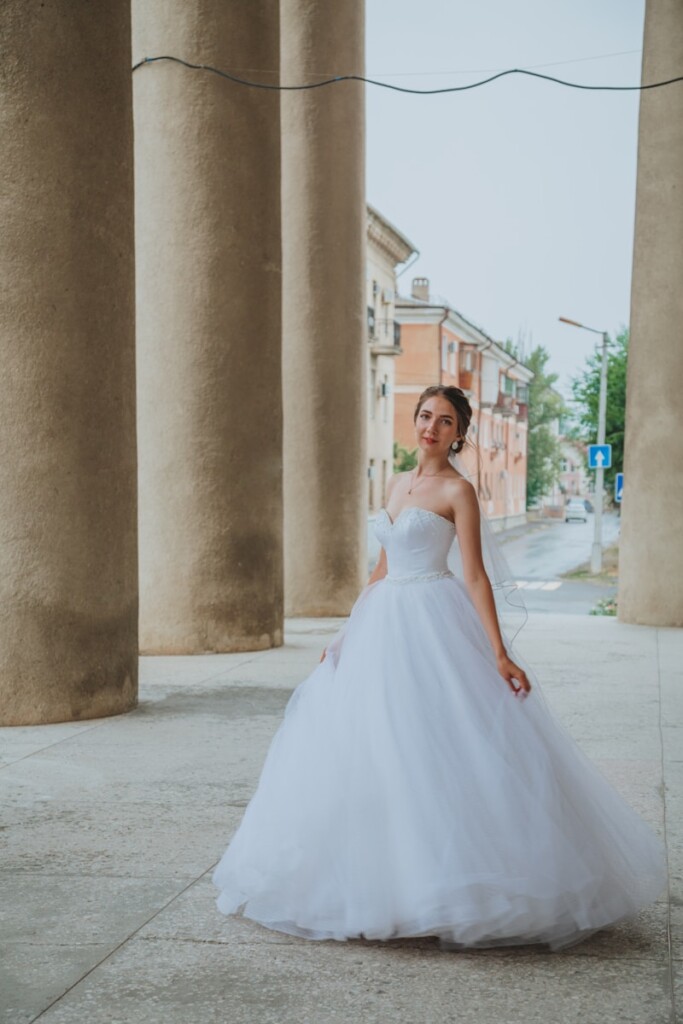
420, 289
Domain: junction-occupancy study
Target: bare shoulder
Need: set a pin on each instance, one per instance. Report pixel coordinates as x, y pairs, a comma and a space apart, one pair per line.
461, 490
462, 497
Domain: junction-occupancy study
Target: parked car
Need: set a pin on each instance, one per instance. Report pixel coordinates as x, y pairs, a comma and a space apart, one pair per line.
575, 509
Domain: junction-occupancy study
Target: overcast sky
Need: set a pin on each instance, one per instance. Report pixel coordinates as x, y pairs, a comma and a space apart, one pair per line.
520, 195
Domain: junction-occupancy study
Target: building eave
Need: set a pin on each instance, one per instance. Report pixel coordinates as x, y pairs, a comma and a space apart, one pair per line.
416, 311
387, 237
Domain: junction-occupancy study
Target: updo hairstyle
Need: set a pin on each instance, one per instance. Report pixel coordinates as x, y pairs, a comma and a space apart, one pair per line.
458, 399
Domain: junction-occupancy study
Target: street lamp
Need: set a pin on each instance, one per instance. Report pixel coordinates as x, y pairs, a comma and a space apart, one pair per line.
596, 551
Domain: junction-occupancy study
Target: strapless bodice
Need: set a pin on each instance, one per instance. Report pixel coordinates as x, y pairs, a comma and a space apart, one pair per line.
416, 543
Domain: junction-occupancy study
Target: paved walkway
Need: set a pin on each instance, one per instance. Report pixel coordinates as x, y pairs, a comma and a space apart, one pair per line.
112, 827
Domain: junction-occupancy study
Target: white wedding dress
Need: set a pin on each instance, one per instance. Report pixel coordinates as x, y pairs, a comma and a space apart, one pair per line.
409, 792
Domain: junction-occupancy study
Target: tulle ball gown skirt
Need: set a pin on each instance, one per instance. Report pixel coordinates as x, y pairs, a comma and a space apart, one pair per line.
407, 792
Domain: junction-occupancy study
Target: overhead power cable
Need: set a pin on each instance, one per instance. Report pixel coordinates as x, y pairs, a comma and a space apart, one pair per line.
401, 88
444, 72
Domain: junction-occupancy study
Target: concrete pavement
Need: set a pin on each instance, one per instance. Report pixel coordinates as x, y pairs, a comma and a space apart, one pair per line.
111, 828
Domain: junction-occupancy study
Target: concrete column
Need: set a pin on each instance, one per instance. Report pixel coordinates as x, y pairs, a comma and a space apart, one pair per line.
651, 552
68, 557
324, 333
207, 164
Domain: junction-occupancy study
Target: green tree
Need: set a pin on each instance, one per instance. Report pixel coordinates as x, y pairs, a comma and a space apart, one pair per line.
586, 392
403, 458
544, 462
544, 457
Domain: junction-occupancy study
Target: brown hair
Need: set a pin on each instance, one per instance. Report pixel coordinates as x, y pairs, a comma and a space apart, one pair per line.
458, 399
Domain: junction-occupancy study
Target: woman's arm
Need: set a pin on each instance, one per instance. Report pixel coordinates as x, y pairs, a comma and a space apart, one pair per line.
466, 510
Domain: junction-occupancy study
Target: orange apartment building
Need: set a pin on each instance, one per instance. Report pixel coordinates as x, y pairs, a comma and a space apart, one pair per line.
439, 346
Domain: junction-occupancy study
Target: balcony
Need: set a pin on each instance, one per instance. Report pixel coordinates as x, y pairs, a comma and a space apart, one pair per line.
385, 336
506, 405
466, 379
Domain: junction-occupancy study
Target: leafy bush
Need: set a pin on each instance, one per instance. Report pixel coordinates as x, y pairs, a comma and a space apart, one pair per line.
404, 459
605, 606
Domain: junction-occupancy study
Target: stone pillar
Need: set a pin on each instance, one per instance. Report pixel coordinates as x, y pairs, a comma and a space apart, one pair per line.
207, 165
68, 556
324, 332
651, 552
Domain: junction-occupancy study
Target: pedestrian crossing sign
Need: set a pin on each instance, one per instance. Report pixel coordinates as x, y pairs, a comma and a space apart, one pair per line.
618, 486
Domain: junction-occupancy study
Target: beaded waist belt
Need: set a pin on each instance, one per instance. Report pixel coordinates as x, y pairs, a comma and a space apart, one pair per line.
420, 577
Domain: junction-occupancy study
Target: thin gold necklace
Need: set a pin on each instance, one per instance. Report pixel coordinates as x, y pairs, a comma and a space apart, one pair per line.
425, 476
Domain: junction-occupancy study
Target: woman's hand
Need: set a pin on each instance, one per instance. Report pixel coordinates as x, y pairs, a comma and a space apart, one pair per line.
514, 676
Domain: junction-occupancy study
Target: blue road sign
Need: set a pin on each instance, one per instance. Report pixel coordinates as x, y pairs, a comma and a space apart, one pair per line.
599, 456
618, 486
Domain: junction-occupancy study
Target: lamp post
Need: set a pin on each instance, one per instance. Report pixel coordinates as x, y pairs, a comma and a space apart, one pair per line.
596, 550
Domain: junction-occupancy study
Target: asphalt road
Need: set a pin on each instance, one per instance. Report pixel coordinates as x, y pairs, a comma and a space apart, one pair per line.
547, 549
539, 553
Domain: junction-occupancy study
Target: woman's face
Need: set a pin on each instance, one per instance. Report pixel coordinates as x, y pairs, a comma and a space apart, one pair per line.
436, 426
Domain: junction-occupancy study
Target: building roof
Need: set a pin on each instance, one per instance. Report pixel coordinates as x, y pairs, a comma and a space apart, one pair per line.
477, 336
389, 238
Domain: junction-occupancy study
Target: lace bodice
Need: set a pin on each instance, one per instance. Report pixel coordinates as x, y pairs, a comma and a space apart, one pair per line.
416, 543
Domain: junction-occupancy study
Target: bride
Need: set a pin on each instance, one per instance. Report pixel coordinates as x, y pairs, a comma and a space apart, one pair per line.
418, 784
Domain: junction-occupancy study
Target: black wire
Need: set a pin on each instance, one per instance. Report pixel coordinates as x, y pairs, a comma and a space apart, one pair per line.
401, 88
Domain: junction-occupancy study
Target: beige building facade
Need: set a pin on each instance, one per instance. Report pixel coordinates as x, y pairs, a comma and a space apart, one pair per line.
387, 248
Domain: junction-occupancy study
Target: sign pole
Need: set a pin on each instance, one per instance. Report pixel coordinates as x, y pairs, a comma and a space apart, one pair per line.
596, 551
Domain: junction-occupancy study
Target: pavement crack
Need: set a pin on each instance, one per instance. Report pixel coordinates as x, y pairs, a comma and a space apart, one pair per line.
119, 945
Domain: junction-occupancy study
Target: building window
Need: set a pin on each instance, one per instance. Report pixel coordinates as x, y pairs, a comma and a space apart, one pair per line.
385, 399
373, 392
371, 321
452, 355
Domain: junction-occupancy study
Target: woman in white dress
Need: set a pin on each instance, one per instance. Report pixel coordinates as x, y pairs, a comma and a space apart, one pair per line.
418, 784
